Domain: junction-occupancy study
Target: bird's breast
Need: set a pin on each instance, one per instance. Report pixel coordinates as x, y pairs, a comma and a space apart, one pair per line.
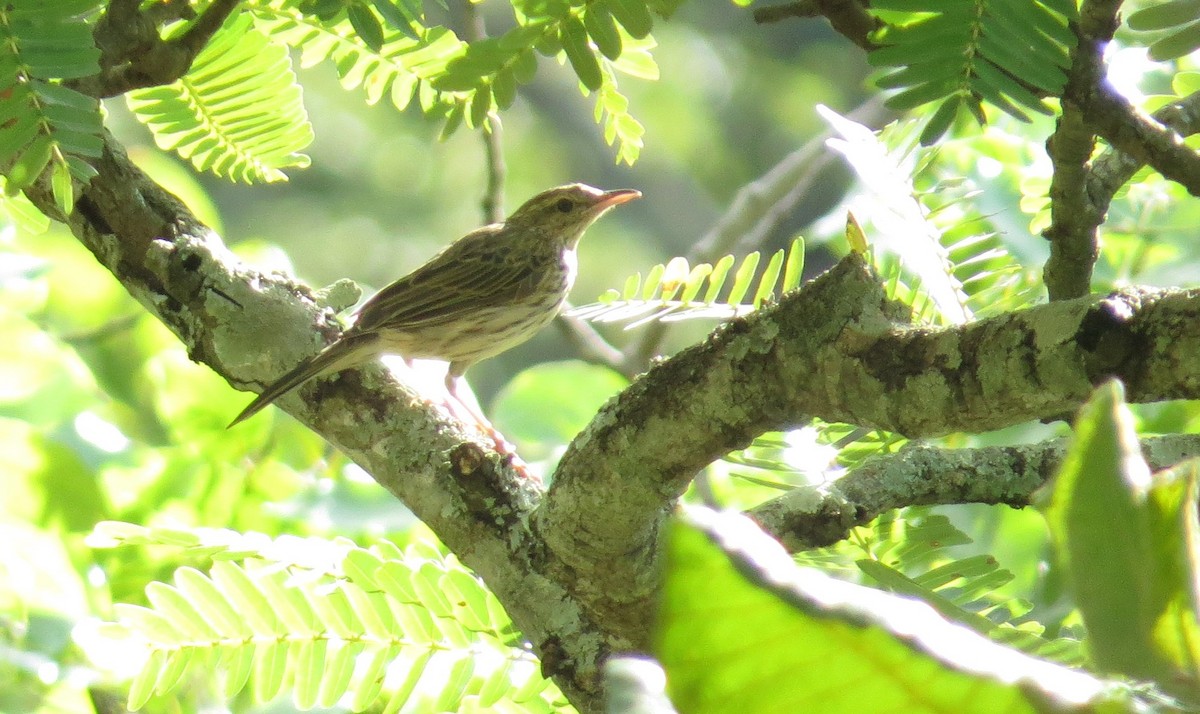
570, 267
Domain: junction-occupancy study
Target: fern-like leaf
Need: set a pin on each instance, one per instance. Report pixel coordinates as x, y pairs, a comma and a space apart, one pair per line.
400, 68
669, 291
1007, 53
237, 112
42, 122
327, 620
906, 553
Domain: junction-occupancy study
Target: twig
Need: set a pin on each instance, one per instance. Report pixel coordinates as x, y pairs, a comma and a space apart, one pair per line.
851, 19
1114, 168
589, 343
1145, 139
848, 17
778, 13
492, 134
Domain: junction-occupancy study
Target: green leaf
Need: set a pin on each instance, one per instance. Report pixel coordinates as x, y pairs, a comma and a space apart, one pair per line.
237, 112
310, 665
1128, 543
1177, 44
210, 603
481, 104
63, 187
603, 30
734, 608
504, 88
270, 665
526, 412
250, 602
717, 280
575, 43
743, 277
142, 687
338, 670
31, 162
1164, 16
793, 272
770, 276
371, 683
403, 16
366, 25
940, 122
632, 14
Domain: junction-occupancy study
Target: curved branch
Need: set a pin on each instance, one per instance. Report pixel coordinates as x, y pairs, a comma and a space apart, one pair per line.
575, 567
249, 327
836, 349
920, 475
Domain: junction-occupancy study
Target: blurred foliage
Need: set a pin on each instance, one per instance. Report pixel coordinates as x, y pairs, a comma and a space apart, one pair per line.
104, 420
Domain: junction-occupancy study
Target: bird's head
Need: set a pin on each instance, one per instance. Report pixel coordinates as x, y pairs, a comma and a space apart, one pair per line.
565, 212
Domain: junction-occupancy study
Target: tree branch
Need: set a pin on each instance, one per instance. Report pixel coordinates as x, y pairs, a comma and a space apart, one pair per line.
848, 17
924, 475
133, 55
250, 326
838, 350
1073, 216
1145, 139
576, 567
1114, 168
1091, 107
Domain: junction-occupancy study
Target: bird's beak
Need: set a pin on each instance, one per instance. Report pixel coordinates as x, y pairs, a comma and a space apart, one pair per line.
608, 199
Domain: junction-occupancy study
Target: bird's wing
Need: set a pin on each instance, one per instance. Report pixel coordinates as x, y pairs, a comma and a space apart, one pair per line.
459, 280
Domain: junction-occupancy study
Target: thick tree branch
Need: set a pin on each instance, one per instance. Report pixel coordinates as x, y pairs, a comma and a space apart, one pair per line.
250, 327
837, 350
923, 475
576, 568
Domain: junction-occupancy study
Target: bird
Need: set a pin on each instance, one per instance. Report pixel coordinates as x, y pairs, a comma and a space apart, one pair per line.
489, 291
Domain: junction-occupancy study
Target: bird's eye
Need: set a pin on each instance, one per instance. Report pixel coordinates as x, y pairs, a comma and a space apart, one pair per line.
564, 205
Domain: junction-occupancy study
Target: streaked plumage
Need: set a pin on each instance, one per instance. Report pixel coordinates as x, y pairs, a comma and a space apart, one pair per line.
489, 291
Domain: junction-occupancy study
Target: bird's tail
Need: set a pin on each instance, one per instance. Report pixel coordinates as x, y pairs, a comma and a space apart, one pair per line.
343, 354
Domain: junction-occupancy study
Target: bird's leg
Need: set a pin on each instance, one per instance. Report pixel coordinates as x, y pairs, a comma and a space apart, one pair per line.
466, 408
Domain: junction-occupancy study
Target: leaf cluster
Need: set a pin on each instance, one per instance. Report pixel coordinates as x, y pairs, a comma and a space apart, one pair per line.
374, 627
43, 122
390, 51
672, 292
1008, 53
237, 113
